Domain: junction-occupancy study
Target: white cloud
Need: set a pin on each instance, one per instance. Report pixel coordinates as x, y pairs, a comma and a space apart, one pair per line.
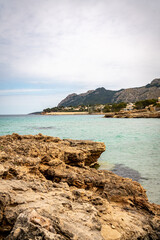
109, 43
75, 44
22, 91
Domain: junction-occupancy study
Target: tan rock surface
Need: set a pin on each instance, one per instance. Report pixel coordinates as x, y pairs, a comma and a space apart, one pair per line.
133, 114
48, 191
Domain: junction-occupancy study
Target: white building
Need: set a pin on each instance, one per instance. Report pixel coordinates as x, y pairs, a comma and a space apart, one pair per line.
129, 107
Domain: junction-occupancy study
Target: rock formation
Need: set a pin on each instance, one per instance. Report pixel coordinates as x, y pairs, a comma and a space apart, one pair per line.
103, 96
133, 114
49, 191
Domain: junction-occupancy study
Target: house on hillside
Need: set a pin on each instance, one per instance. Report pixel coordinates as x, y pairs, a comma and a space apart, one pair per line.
129, 107
99, 108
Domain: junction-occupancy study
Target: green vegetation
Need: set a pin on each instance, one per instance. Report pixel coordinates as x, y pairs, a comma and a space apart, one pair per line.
100, 108
107, 108
98, 96
115, 107
66, 109
95, 108
54, 109
144, 103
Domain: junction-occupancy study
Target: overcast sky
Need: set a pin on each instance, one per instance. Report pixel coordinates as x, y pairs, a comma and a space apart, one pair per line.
51, 48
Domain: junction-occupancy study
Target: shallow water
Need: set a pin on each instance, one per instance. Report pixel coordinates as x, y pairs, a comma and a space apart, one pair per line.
132, 145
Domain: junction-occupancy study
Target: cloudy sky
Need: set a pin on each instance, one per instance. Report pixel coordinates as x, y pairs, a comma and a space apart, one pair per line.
51, 48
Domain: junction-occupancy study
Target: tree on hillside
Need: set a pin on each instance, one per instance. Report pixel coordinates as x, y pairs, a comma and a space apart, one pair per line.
116, 107
107, 108
144, 103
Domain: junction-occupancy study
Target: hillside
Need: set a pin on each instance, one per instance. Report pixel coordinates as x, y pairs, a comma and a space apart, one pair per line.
103, 96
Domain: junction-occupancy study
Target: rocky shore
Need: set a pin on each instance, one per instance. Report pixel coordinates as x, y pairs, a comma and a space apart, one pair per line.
133, 114
49, 191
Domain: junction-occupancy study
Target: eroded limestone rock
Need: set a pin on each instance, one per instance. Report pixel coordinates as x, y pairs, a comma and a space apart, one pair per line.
48, 191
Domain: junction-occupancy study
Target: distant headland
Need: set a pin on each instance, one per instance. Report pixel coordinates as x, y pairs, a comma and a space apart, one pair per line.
103, 96
125, 103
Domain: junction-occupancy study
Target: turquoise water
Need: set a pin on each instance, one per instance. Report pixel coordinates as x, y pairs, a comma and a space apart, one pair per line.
131, 144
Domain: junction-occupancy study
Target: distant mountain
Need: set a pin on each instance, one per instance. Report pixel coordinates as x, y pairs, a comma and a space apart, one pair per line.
103, 96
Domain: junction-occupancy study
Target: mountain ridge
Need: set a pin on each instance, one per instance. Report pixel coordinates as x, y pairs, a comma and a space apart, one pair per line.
104, 96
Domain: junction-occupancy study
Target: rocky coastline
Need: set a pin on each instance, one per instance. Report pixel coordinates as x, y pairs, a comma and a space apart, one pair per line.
133, 114
49, 191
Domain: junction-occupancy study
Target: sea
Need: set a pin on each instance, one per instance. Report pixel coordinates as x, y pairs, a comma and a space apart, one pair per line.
132, 145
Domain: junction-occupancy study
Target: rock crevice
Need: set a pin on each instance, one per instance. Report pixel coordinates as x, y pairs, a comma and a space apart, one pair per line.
48, 191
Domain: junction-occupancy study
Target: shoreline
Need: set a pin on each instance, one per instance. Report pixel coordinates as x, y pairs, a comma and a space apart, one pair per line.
48, 188
72, 113
133, 114
129, 114
66, 113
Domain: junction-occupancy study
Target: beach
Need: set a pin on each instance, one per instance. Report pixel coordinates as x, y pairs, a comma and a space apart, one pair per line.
66, 113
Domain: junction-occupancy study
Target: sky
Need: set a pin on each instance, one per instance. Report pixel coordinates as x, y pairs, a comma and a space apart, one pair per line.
51, 48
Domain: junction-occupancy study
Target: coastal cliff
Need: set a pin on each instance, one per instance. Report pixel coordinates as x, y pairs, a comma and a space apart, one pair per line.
48, 190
